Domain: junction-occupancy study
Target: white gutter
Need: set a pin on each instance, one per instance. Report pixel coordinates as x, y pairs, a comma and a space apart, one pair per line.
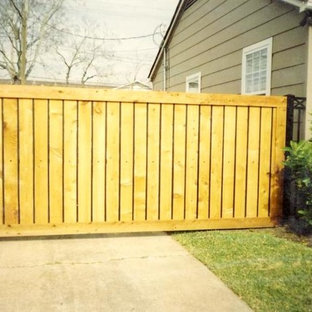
308, 134
165, 68
301, 5
164, 43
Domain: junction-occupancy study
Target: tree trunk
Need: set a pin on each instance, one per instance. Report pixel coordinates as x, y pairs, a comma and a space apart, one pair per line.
23, 59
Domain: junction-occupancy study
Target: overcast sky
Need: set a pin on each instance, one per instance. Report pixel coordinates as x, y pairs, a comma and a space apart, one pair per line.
119, 19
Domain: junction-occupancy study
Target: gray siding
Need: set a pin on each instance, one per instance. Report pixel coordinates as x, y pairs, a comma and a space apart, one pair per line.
211, 35
158, 79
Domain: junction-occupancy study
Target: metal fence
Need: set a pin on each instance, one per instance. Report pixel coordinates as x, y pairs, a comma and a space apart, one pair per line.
294, 132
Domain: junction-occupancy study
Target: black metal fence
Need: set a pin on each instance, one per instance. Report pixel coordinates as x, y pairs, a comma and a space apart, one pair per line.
295, 118
294, 132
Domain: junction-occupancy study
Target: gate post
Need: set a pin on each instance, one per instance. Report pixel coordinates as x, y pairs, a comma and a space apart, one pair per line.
287, 207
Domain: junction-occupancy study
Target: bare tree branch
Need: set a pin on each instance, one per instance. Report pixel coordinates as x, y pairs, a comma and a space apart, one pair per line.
16, 8
24, 35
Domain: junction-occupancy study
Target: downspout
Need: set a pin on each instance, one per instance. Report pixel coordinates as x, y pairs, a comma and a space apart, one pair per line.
165, 69
308, 124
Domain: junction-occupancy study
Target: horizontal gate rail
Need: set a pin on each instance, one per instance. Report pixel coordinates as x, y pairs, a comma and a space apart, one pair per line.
93, 160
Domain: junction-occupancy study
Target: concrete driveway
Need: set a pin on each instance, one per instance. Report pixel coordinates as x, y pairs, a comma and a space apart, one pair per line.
138, 272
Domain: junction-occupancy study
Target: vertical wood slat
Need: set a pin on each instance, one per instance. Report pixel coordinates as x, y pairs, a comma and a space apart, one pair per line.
241, 163
10, 136
153, 161
192, 163
179, 162
26, 161
1, 165
84, 166
277, 158
253, 158
216, 163
140, 161
98, 193
264, 162
166, 150
41, 161
204, 163
56, 162
126, 168
112, 174
228, 162
70, 161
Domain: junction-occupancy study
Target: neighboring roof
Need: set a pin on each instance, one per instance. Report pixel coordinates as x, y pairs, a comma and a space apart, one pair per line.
303, 5
136, 85
63, 84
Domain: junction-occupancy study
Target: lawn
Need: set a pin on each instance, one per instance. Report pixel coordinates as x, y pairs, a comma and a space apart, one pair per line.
267, 268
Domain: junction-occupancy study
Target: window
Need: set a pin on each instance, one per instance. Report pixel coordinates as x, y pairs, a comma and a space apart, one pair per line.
256, 68
193, 83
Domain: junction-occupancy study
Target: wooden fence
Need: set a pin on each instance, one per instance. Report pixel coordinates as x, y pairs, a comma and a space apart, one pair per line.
90, 160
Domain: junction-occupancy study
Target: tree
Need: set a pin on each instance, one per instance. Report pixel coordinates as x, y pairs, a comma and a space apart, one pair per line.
81, 58
84, 55
26, 28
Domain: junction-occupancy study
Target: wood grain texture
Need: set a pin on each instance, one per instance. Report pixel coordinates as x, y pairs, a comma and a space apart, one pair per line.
10, 141
140, 161
136, 226
241, 162
192, 163
179, 162
153, 161
277, 159
228, 162
252, 165
70, 161
204, 162
26, 161
56, 161
175, 98
264, 162
1, 166
84, 161
139, 166
112, 174
216, 162
126, 162
41, 161
99, 188
166, 179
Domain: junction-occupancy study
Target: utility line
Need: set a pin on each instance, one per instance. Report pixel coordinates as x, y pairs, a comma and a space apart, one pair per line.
100, 38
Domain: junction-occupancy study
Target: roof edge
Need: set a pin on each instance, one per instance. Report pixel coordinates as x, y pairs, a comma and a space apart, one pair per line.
166, 37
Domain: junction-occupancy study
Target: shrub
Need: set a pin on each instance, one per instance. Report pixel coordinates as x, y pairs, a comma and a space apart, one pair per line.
299, 165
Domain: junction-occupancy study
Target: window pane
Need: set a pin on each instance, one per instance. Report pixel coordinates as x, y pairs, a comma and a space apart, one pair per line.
256, 61
256, 82
248, 83
263, 61
249, 63
263, 80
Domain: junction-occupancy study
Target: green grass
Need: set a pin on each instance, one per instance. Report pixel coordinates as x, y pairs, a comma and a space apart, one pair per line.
266, 268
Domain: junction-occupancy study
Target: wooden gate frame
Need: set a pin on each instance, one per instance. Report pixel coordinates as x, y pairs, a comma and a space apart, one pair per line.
193, 103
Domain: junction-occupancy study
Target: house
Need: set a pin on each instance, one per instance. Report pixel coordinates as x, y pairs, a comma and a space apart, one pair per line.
261, 47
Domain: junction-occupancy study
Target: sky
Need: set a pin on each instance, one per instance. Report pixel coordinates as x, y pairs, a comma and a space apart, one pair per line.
126, 59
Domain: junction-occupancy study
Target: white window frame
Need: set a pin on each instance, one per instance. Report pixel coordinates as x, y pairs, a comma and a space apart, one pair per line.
193, 78
251, 49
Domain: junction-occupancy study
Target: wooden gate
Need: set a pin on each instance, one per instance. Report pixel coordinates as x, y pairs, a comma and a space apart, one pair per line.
92, 161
